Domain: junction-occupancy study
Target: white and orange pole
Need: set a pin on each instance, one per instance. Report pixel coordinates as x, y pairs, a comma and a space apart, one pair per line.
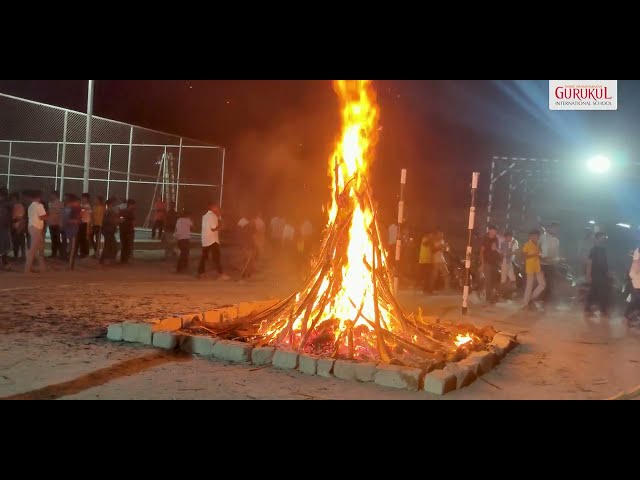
467, 262
403, 181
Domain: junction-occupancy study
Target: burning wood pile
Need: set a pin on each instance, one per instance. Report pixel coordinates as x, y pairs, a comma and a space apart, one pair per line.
347, 307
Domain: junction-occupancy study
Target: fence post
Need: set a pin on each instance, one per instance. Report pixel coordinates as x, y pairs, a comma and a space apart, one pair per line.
55, 183
64, 152
178, 179
9, 165
165, 174
109, 172
224, 150
87, 145
129, 162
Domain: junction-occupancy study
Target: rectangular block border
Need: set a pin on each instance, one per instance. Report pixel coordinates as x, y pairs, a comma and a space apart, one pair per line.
466, 371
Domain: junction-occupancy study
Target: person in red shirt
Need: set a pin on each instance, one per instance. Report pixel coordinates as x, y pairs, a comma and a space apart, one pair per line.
159, 217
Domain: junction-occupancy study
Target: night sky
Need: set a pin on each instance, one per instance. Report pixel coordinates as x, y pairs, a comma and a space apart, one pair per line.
280, 132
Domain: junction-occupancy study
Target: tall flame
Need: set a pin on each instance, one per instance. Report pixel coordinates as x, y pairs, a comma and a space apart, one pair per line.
353, 154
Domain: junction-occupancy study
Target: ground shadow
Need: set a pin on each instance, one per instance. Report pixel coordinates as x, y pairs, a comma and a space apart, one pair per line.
100, 377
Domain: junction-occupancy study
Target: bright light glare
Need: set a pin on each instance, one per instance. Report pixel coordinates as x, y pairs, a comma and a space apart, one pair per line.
592, 222
623, 225
599, 164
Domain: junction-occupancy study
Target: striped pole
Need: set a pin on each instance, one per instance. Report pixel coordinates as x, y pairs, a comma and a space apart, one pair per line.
467, 262
490, 203
403, 181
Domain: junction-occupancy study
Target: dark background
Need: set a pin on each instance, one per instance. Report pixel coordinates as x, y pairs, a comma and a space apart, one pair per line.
279, 134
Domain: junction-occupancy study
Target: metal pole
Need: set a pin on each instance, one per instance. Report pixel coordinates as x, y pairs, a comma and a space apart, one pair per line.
224, 151
508, 219
467, 262
109, 172
165, 174
64, 152
403, 181
178, 179
129, 162
55, 183
490, 203
9, 165
87, 145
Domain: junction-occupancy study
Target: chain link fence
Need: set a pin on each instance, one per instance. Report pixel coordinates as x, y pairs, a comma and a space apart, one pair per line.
42, 147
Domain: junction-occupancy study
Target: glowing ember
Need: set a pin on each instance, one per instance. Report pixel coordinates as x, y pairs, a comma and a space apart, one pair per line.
462, 340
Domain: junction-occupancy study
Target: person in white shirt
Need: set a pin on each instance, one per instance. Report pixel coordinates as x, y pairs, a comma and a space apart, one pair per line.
508, 248
634, 274
287, 236
260, 234
550, 248
277, 225
184, 224
37, 215
305, 236
211, 241
393, 235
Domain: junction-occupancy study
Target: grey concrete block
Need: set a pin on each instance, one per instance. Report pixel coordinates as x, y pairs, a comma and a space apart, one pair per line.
262, 355
139, 332
232, 351
230, 312
465, 374
505, 342
324, 367
285, 359
190, 318
170, 324
440, 382
308, 364
248, 308
166, 340
198, 344
345, 369
397, 376
484, 360
114, 332
366, 372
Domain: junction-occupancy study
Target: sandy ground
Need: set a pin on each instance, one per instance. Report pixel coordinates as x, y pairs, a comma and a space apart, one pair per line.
53, 345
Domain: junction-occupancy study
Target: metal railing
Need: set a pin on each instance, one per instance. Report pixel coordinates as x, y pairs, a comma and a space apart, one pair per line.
42, 147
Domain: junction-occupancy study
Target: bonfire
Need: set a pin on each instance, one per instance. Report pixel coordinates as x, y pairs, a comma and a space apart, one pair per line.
347, 307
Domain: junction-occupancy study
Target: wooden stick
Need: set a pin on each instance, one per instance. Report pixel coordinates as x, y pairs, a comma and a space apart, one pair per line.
336, 346
382, 348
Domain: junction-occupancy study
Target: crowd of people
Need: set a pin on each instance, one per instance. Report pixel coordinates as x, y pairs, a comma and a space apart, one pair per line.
542, 262
504, 266
76, 225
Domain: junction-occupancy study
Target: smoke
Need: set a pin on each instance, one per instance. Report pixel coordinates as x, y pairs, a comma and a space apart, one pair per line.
283, 170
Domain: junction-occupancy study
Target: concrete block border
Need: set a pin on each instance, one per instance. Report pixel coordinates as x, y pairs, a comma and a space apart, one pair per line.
166, 334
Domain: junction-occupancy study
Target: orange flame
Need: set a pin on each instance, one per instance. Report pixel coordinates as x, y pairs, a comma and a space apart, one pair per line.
462, 340
354, 156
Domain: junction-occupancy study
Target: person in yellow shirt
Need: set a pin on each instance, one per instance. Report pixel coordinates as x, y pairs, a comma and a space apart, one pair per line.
97, 214
532, 255
425, 263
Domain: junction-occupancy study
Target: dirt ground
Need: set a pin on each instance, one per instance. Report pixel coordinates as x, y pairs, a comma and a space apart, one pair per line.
53, 342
